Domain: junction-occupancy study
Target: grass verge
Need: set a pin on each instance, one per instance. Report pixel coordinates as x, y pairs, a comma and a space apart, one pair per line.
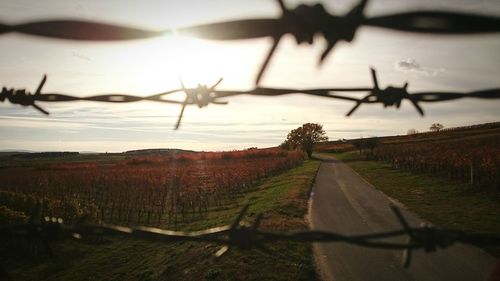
282, 200
443, 202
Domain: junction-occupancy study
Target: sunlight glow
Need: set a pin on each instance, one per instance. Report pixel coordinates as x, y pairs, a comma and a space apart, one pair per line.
157, 65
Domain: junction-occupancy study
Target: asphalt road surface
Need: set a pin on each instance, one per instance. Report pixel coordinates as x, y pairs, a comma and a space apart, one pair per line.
343, 202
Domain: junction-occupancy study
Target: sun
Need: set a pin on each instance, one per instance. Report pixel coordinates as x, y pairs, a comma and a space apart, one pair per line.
160, 64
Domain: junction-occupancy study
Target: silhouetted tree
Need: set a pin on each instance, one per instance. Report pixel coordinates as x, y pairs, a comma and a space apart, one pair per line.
359, 144
436, 127
371, 143
304, 137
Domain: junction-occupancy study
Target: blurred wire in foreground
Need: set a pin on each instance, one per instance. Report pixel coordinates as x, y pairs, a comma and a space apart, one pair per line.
203, 96
302, 22
246, 237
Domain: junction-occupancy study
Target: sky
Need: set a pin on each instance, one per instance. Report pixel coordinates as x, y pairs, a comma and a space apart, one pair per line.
148, 66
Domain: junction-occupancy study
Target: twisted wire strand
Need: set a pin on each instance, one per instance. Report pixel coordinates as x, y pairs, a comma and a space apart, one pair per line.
302, 22
203, 96
436, 22
426, 237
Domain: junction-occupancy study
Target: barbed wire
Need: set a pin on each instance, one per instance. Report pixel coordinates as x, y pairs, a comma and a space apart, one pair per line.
246, 236
202, 96
302, 22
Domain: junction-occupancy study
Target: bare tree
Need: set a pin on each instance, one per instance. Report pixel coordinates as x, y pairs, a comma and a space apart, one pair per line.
371, 143
436, 127
359, 144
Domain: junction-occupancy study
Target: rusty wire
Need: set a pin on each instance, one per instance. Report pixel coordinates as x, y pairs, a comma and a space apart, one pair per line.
302, 22
244, 236
203, 96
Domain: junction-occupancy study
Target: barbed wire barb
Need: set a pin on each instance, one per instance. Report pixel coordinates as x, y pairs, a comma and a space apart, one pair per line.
390, 96
201, 96
23, 97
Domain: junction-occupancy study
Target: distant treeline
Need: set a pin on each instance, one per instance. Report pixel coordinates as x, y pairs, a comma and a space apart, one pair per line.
156, 151
44, 154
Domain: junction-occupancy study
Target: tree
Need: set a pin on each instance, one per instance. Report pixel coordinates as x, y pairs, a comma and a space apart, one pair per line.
436, 127
359, 144
371, 143
304, 137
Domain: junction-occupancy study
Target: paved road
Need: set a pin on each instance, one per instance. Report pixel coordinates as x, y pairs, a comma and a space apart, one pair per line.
341, 201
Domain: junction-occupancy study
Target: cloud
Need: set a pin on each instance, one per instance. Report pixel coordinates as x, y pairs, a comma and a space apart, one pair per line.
80, 56
411, 65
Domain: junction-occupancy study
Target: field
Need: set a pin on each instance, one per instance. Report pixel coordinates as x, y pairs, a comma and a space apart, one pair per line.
469, 155
184, 191
146, 190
